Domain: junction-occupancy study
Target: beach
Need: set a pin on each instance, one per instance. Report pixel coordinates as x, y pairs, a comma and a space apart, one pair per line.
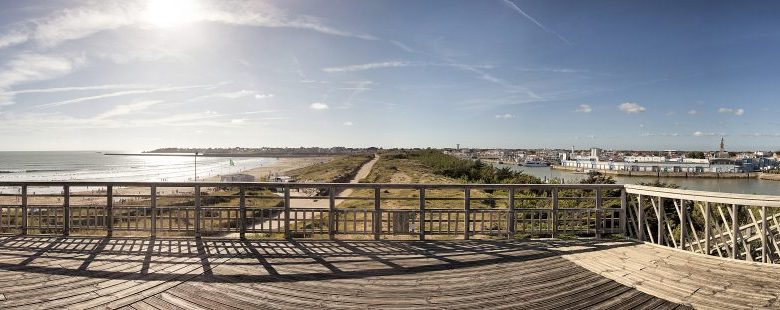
52, 195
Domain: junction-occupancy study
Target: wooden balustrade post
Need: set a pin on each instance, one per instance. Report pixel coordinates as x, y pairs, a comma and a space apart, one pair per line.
197, 212
332, 212
661, 218
422, 214
467, 209
377, 213
734, 231
764, 254
555, 215
242, 212
623, 209
707, 233
287, 234
153, 204
640, 216
24, 210
683, 223
510, 225
66, 211
599, 216
109, 210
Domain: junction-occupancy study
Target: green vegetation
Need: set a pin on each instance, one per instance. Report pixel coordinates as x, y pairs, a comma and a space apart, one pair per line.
658, 183
339, 170
595, 177
695, 155
468, 171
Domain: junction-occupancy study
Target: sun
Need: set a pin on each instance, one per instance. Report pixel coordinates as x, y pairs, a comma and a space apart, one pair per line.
170, 13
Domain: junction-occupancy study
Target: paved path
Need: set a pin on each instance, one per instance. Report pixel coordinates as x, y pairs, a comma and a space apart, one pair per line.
274, 223
80, 273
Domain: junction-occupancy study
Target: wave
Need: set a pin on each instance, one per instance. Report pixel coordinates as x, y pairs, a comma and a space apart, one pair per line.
36, 170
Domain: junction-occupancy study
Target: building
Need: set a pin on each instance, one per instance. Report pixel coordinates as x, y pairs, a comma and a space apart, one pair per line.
237, 177
655, 164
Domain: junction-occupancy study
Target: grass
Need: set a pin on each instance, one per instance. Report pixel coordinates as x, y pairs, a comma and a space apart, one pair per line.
339, 170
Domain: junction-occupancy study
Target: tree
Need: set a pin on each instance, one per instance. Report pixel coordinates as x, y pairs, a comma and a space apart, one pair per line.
696, 155
595, 177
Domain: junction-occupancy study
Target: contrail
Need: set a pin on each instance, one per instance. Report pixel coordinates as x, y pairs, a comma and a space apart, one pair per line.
519, 10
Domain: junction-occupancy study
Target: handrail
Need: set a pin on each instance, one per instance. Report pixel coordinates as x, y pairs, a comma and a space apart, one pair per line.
220, 208
737, 226
306, 185
716, 197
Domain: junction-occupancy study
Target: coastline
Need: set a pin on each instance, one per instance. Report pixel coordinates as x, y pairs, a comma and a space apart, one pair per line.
769, 176
281, 166
260, 173
663, 174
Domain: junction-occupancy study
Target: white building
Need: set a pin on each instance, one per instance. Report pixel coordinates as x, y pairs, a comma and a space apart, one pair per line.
652, 164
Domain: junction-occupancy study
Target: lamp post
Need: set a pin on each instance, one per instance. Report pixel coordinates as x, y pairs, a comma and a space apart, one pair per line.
196, 165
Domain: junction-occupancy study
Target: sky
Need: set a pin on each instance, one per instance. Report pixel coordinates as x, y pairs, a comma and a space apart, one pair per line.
138, 75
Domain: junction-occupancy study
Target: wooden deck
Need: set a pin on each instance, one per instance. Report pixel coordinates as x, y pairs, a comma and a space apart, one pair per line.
138, 273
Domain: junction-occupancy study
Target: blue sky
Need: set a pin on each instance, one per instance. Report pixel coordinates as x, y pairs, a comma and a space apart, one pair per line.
131, 75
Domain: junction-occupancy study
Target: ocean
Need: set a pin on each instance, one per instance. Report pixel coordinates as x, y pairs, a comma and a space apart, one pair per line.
96, 166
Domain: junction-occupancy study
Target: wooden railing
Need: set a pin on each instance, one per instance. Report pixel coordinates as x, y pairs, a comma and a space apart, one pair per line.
306, 210
737, 226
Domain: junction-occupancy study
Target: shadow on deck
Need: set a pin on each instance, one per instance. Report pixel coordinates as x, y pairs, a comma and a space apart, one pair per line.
147, 273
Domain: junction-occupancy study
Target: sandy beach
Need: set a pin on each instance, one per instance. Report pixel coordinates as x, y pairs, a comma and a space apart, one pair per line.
261, 173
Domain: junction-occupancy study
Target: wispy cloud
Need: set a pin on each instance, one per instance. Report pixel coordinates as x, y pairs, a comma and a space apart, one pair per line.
631, 107
124, 109
124, 93
369, 66
236, 95
80, 22
693, 112
735, 111
584, 108
33, 67
36, 67
348, 123
514, 6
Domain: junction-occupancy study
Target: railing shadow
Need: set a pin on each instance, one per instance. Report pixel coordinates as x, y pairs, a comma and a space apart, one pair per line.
252, 261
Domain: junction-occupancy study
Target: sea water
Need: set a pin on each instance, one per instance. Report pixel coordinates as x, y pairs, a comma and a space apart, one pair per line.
97, 166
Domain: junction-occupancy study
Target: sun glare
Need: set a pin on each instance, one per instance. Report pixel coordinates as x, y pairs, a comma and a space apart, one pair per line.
170, 13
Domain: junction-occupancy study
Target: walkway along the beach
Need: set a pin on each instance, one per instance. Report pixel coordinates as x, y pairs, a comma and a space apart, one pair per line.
274, 223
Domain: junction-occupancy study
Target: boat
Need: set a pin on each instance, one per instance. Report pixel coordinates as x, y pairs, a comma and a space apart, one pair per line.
534, 163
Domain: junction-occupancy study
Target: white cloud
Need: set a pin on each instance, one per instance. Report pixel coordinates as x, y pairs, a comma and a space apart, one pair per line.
584, 108
13, 38
736, 111
505, 116
30, 68
263, 96
693, 112
79, 22
124, 109
705, 134
347, 123
36, 67
368, 66
237, 121
631, 107
318, 106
